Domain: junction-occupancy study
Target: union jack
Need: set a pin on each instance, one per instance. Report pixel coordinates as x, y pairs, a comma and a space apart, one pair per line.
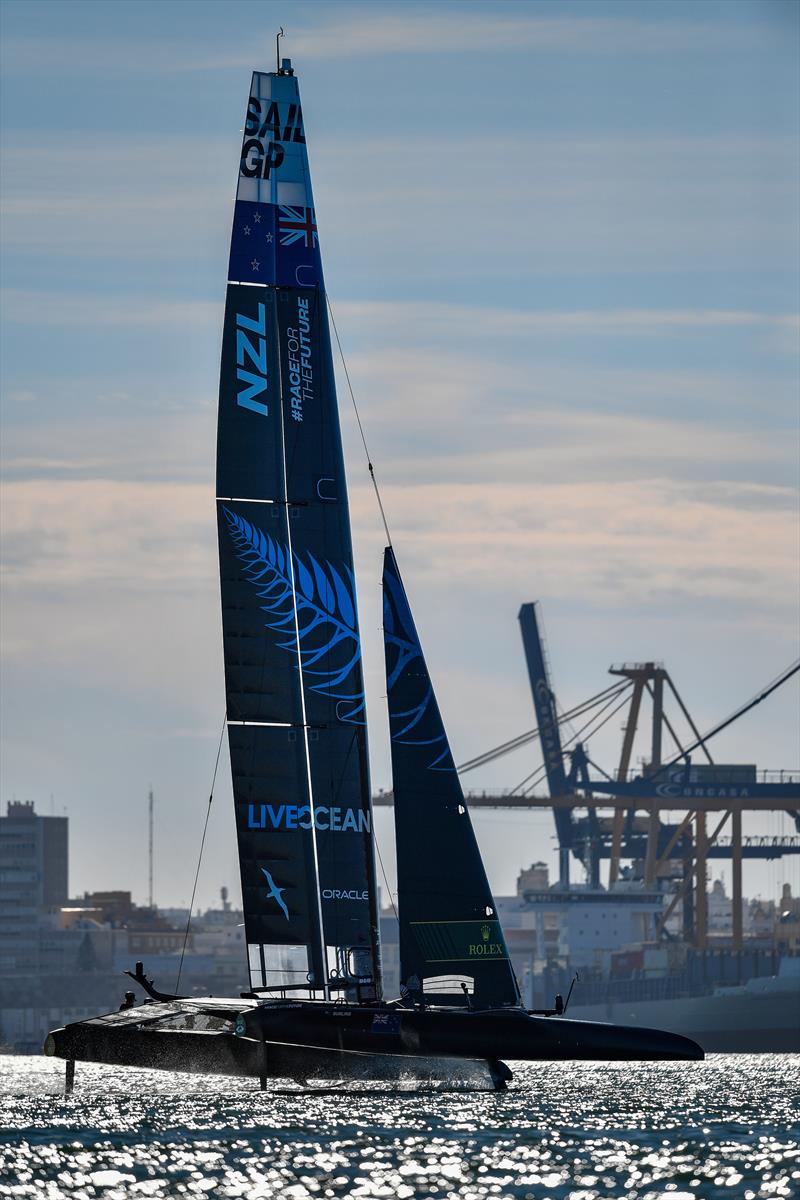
297, 223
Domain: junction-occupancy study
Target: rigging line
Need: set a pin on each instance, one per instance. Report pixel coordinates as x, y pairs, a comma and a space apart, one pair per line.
535, 777
585, 727
540, 772
522, 739
608, 693
768, 690
360, 426
200, 855
385, 880
608, 697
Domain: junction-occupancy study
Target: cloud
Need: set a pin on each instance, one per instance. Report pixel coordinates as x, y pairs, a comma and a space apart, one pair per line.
365, 33
159, 537
628, 541
117, 199
22, 306
615, 204
420, 31
60, 534
423, 320
620, 204
430, 321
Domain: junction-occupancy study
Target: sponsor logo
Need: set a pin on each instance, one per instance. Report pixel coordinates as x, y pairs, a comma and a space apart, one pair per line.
266, 127
251, 360
677, 790
293, 816
336, 894
275, 893
301, 372
487, 950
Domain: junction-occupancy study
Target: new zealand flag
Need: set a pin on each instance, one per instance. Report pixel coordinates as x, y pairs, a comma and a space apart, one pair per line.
274, 243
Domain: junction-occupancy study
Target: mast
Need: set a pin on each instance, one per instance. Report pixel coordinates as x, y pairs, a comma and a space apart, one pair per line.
292, 650
150, 847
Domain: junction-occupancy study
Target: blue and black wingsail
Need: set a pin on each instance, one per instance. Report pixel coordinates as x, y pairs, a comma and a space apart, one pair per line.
293, 674
452, 948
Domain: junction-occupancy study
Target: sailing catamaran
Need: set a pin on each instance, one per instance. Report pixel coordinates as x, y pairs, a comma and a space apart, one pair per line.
297, 731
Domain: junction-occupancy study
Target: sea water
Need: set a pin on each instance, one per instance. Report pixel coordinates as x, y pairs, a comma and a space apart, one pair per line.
569, 1131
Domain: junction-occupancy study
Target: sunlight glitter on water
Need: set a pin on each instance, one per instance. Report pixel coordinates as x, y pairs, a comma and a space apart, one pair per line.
577, 1131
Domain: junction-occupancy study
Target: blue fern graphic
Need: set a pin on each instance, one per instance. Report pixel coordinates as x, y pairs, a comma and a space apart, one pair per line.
399, 632
326, 612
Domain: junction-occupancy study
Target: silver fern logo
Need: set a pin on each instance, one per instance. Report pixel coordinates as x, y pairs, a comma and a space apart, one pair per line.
324, 600
420, 724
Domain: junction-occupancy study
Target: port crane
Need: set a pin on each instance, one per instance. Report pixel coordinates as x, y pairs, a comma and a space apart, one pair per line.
620, 818
655, 849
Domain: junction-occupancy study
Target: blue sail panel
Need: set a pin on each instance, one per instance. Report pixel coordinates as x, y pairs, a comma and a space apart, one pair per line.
260, 649
290, 617
327, 613
448, 923
275, 238
319, 515
274, 825
275, 243
344, 835
249, 429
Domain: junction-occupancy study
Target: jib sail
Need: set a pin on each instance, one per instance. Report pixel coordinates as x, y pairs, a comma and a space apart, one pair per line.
452, 948
293, 674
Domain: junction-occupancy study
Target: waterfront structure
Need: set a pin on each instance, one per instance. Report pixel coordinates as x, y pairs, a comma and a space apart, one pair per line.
62, 958
34, 880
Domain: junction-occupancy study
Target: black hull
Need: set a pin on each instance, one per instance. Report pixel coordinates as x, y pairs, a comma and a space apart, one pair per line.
493, 1034
223, 1054
312, 1040
220, 1053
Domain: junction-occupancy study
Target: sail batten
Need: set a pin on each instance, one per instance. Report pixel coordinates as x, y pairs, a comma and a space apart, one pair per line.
291, 640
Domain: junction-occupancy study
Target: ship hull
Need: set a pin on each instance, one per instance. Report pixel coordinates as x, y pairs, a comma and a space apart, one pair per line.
736, 1021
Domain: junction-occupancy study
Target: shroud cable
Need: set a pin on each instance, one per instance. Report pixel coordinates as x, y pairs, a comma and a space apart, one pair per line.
200, 855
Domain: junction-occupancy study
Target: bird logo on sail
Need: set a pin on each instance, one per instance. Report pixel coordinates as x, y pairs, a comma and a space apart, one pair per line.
276, 893
296, 224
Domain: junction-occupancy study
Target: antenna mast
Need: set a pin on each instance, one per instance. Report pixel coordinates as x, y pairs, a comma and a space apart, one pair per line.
150, 847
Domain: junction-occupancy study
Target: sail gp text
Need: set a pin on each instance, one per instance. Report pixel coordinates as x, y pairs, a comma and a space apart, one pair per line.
298, 352
264, 131
294, 816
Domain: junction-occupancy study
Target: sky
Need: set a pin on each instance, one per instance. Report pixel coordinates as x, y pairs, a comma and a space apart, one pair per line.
562, 245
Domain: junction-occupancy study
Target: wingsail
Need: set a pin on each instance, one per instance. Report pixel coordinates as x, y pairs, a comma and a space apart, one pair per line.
452, 948
292, 649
